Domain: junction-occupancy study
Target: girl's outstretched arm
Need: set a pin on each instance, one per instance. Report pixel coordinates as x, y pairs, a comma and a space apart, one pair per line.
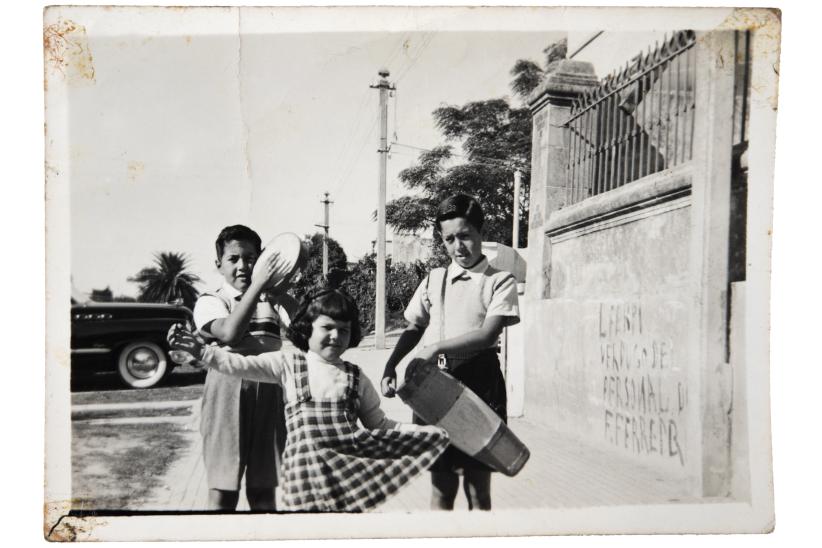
370, 413
269, 367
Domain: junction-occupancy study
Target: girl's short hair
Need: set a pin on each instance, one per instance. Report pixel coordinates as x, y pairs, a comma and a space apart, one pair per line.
461, 205
333, 303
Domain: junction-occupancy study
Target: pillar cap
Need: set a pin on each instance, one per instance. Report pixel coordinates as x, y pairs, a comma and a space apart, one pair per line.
564, 82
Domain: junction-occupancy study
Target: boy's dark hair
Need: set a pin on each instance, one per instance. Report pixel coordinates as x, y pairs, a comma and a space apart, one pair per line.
236, 232
333, 303
461, 205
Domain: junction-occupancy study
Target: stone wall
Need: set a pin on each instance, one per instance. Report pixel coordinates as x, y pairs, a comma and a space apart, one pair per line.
625, 316
609, 347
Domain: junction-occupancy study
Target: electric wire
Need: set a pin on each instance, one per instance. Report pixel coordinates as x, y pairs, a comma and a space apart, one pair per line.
426, 41
491, 162
353, 160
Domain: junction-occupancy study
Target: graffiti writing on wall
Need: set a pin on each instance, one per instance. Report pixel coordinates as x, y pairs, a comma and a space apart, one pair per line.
643, 398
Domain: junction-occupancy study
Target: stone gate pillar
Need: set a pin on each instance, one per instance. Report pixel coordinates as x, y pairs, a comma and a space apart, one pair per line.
711, 194
550, 105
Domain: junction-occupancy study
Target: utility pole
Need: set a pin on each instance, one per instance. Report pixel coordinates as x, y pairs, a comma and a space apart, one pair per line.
517, 183
325, 226
379, 310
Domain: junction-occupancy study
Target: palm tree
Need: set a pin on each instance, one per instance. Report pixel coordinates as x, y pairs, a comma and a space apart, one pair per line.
528, 75
167, 281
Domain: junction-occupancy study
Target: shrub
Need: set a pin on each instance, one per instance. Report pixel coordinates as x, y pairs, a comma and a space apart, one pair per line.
401, 282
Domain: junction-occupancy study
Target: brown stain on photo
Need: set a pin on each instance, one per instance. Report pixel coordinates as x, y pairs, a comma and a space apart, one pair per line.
67, 53
135, 169
69, 529
58, 526
767, 24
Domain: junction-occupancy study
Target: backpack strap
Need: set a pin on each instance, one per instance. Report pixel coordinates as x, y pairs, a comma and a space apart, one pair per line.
442, 303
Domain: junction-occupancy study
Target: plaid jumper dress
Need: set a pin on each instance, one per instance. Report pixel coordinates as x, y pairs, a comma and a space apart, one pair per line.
330, 464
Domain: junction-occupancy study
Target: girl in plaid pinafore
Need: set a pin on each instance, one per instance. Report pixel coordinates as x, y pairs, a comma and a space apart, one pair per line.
330, 463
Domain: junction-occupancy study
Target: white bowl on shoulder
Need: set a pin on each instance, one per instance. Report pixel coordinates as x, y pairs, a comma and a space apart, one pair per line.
291, 248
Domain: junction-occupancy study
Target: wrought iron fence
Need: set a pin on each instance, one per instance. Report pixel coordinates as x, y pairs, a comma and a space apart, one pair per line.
639, 121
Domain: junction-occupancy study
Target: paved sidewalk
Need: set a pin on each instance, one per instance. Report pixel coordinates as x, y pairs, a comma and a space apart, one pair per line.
562, 472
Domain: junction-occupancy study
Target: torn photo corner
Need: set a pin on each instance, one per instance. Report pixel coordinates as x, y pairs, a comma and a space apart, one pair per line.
623, 159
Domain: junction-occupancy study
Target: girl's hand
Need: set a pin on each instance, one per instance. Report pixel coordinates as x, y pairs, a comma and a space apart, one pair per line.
389, 385
179, 338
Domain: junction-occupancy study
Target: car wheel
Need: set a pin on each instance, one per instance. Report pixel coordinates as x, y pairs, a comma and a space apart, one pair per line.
142, 364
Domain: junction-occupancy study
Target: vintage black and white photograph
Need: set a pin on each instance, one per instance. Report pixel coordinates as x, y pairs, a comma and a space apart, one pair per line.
312, 271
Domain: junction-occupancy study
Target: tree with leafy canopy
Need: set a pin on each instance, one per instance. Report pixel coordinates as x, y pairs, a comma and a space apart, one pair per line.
167, 281
312, 275
496, 140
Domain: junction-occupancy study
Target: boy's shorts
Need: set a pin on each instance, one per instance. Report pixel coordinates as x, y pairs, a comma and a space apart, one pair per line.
243, 429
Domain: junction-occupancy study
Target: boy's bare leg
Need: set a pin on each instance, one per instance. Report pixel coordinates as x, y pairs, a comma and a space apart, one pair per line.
219, 499
477, 486
444, 487
261, 498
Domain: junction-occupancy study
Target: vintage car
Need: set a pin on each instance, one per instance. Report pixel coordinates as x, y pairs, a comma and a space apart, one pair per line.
129, 338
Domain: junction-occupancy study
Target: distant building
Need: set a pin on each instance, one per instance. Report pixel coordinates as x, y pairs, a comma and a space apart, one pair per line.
102, 295
410, 247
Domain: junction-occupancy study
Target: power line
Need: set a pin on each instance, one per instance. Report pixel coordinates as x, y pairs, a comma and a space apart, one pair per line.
425, 43
358, 120
490, 162
396, 95
396, 51
353, 159
355, 128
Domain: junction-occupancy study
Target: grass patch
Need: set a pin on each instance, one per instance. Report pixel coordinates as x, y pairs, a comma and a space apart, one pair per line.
116, 467
164, 393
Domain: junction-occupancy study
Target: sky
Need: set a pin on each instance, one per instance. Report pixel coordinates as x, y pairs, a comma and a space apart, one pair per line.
179, 134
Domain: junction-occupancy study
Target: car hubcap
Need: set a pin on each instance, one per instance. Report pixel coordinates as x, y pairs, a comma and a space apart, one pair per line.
142, 363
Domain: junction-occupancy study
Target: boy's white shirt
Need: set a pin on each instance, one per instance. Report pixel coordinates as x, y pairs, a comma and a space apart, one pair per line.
326, 380
209, 308
478, 292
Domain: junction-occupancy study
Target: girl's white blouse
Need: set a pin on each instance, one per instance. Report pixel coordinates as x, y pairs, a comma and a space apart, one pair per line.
325, 380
